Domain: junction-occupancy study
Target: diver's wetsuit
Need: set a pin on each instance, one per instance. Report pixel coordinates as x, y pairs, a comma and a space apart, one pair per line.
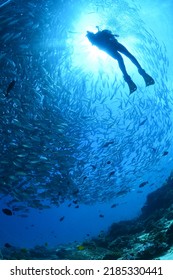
106, 41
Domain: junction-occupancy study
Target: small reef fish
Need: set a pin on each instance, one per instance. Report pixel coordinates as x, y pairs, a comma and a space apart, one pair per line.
7, 211
108, 143
10, 87
143, 184
61, 219
75, 201
114, 205
111, 173
165, 153
142, 123
80, 248
101, 216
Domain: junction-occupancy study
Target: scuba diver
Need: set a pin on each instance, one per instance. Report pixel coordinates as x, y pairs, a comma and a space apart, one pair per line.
107, 42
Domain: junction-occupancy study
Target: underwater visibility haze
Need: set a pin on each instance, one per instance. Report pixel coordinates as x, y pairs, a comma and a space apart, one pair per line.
81, 159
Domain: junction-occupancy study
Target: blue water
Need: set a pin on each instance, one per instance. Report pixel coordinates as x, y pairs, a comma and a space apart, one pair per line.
57, 37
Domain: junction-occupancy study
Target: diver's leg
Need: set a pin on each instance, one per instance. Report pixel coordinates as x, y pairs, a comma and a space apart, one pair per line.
148, 79
127, 78
123, 50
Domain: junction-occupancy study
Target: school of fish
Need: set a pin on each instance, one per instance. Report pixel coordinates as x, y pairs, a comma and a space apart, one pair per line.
70, 133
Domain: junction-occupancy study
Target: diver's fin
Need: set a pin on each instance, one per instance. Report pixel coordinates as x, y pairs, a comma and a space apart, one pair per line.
132, 87
147, 78
131, 84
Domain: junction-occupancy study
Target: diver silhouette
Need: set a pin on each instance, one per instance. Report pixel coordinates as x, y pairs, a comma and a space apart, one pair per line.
106, 41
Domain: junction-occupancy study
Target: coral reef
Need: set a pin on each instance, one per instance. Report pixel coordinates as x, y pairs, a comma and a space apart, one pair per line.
146, 237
